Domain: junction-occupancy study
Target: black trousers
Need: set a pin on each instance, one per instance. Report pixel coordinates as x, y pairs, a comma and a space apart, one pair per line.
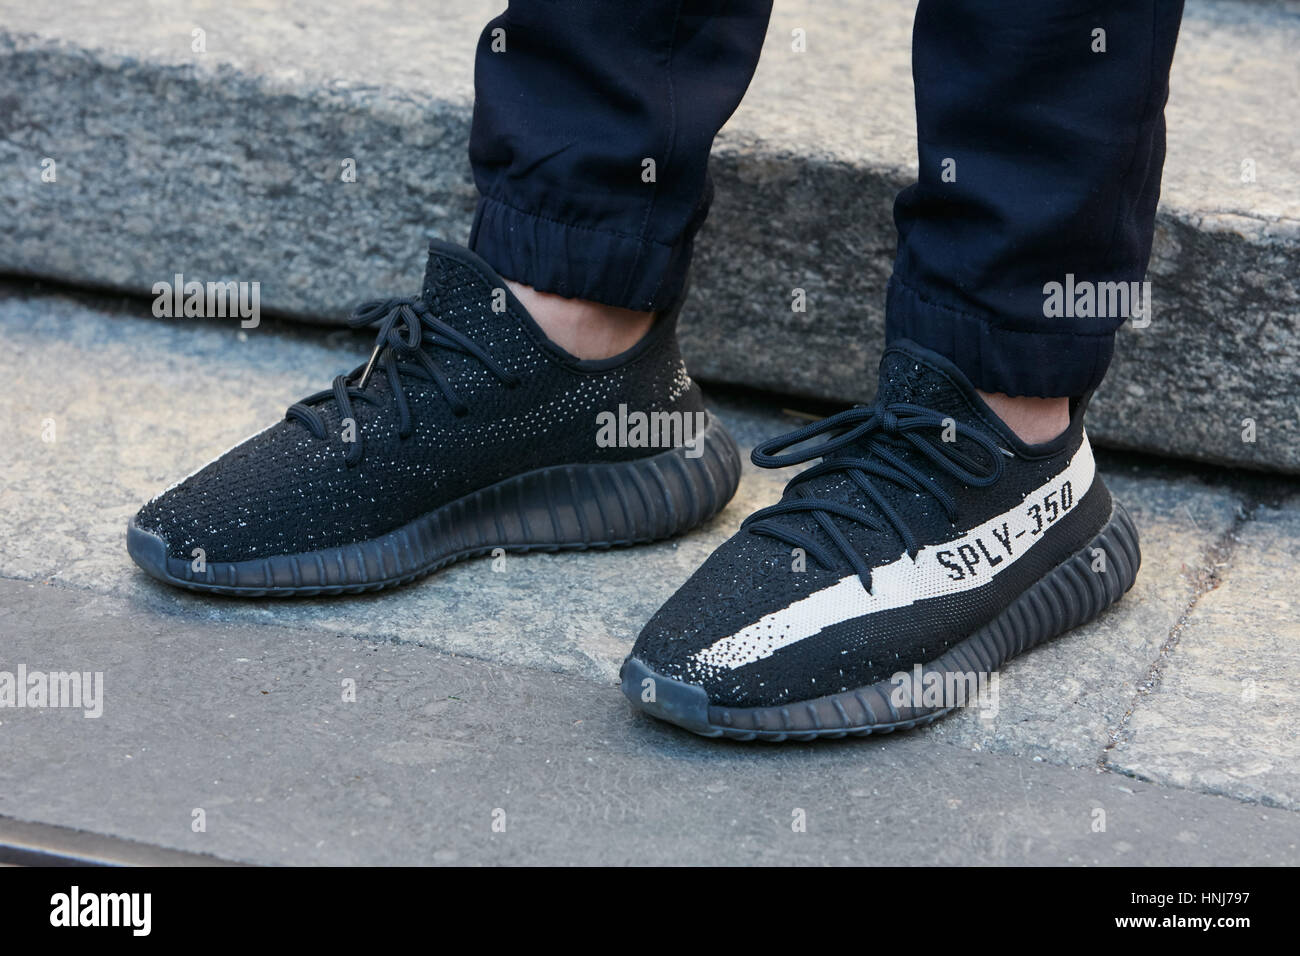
1040, 146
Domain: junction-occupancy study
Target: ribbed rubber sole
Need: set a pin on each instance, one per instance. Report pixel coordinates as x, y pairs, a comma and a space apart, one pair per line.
566, 507
1070, 595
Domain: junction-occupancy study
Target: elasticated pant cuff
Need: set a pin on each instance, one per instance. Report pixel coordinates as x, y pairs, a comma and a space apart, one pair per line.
1039, 363
578, 262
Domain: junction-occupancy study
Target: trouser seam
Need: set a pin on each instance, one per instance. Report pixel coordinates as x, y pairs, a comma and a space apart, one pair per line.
1141, 125
667, 157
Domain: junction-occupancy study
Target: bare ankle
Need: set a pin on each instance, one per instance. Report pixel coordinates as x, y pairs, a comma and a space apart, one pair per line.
587, 330
1034, 420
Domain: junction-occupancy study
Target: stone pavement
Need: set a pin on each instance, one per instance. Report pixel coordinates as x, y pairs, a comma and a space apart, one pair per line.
480, 691
225, 163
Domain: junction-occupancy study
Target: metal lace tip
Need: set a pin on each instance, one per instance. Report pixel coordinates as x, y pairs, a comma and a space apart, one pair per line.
370, 366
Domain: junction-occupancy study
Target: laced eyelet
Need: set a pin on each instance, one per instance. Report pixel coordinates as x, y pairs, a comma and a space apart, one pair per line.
404, 325
871, 428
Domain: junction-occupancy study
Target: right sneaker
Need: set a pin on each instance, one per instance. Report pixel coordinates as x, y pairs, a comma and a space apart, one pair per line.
467, 431
895, 577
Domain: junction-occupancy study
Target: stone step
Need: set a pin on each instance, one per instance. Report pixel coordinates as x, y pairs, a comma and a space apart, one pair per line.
225, 164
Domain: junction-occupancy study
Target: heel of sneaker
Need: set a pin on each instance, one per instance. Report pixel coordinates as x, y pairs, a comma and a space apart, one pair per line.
644, 499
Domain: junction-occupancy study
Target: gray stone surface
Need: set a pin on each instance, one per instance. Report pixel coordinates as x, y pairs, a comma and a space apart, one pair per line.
249, 725
1223, 717
1064, 701
124, 430
225, 165
479, 690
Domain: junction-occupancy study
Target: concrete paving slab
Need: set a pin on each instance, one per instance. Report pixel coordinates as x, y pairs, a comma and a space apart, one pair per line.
1065, 700
245, 729
1222, 717
122, 433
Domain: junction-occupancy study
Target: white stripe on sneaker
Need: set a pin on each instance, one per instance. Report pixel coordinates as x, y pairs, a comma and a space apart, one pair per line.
966, 562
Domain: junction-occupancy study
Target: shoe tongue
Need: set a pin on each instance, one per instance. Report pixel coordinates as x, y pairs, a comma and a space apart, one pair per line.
460, 290
458, 285
434, 267
914, 375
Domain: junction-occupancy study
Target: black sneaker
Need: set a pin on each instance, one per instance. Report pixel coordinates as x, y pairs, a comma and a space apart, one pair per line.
926, 548
467, 431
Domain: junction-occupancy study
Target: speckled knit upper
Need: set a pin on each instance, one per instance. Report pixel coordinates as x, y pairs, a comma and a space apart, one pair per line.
288, 491
751, 577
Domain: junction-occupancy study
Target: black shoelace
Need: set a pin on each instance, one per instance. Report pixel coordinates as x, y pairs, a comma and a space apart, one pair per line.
405, 327
878, 434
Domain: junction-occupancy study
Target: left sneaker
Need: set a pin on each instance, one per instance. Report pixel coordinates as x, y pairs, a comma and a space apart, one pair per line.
468, 431
928, 546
